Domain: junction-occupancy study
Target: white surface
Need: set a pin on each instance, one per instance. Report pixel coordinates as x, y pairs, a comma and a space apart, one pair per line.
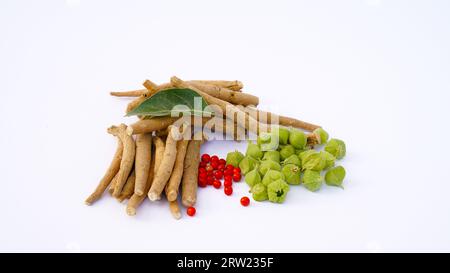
374, 73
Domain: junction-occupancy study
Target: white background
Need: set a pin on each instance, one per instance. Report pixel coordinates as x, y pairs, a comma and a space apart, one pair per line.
372, 72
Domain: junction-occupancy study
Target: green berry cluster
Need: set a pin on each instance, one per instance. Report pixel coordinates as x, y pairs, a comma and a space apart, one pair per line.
284, 157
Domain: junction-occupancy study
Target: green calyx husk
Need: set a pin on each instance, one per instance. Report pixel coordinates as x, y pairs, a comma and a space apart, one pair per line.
234, 158
286, 151
335, 176
322, 135
252, 178
312, 180
271, 176
268, 165
259, 192
314, 161
248, 164
336, 147
291, 174
297, 139
254, 151
277, 191
272, 155
293, 159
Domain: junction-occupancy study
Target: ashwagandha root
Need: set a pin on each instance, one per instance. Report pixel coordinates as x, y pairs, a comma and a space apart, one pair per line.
131, 93
231, 85
177, 173
112, 185
226, 107
227, 94
282, 120
129, 151
175, 209
113, 169
165, 170
142, 161
189, 182
128, 188
136, 200
150, 125
160, 146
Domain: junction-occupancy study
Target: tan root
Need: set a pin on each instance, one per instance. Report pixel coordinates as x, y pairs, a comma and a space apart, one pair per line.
189, 181
165, 170
113, 169
142, 161
126, 164
177, 173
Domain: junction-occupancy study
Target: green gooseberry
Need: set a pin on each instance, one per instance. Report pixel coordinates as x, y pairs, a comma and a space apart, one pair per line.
254, 151
292, 174
247, 164
234, 158
312, 180
283, 134
259, 192
252, 178
287, 151
267, 141
268, 165
293, 159
313, 161
297, 139
335, 176
336, 147
277, 191
322, 135
272, 155
305, 154
272, 175
329, 159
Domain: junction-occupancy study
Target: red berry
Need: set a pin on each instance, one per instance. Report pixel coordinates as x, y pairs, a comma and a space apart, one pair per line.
221, 167
215, 165
228, 178
210, 180
201, 170
210, 173
227, 183
206, 158
237, 170
228, 190
218, 174
209, 168
229, 167
228, 172
214, 158
202, 183
217, 184
191, 211
202, 164
202, 175
245, 201
237, 177
222, 161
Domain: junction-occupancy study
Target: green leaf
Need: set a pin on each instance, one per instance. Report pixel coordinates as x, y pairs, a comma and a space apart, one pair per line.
174, 100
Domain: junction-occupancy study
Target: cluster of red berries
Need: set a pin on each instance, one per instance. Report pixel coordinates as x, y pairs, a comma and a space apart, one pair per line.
212, 169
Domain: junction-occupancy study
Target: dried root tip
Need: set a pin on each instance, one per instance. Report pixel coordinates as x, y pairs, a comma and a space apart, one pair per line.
188, 202
175, 209
131, 211
154, 196
129, 131
172, 195
151, 86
